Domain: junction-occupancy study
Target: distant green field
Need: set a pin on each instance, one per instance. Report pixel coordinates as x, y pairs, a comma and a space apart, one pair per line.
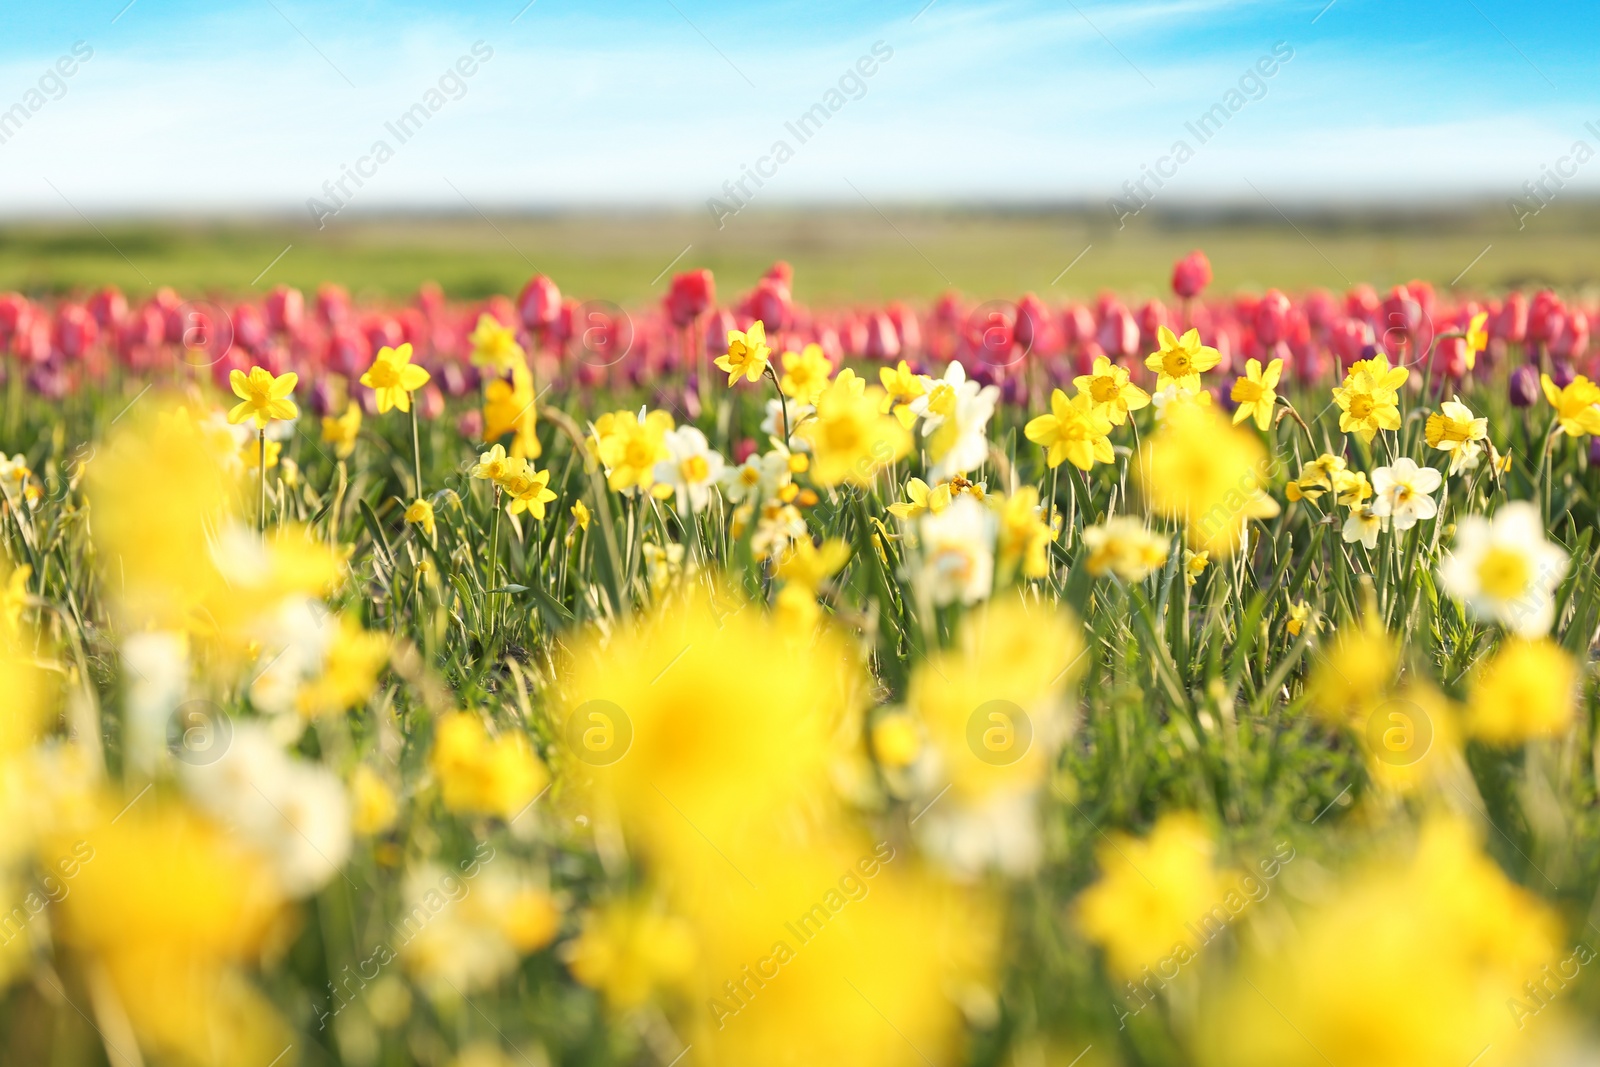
840, 256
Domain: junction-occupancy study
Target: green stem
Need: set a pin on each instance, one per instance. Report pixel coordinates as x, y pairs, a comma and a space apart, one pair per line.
783, 404
261, 517
416, 450
494, 565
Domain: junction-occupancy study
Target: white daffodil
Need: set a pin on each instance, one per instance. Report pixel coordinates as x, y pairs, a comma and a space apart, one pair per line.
1164, 400
1404, 492
691, 468
758, 478
1504, 570
778, 528
1364, 525
958, 442
957, 552
295, 812
797, 413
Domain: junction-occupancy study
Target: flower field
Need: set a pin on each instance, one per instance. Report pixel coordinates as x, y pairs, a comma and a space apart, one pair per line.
1206, 680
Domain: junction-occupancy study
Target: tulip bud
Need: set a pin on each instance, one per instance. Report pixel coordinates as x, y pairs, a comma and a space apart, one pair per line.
75, 330
772, 304
539, 303
691, 296
430, 299
249, 327
285, 308
1524, 386
883, 343
470, 425
1562, 372
109, 307
1119, 333
1191, 274
718, 327
1510, 323
1271, 320
905, 325
333, 304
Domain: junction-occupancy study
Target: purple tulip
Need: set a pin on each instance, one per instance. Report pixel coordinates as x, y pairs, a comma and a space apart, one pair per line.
1524, 386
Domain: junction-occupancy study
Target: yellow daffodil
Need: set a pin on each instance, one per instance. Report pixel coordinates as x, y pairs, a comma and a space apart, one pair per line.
1527, 690
1125, 547
393, 378
849, 437
1194, 565
807, 566
1369, 399
1256, 393
354, 659
900, 389
1300, 614
493, 465
1454, 429
262, 397
581, 515
1577, 406
420, 513
495, 346
1024, 538
528, 489
896, 740
482, 775
1477, 338
1317, 477
1072, 431
629, 445
250, 453
1108, 388
920, 500
805, 374
341, 431
628, 951
13, 599
747, 353
1152, 894
1209, 474
512, 407
1179, 361
373, 805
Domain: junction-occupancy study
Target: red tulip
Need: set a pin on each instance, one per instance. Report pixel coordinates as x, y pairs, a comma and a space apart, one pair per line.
1191, 274
1151, 318
430, 299
692, 294
1545, 306
717, 330
539, 303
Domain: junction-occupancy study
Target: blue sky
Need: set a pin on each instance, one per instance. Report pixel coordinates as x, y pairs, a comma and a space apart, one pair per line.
254, 104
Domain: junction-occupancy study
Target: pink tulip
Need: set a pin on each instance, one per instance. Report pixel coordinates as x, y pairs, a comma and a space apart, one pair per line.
285, 308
